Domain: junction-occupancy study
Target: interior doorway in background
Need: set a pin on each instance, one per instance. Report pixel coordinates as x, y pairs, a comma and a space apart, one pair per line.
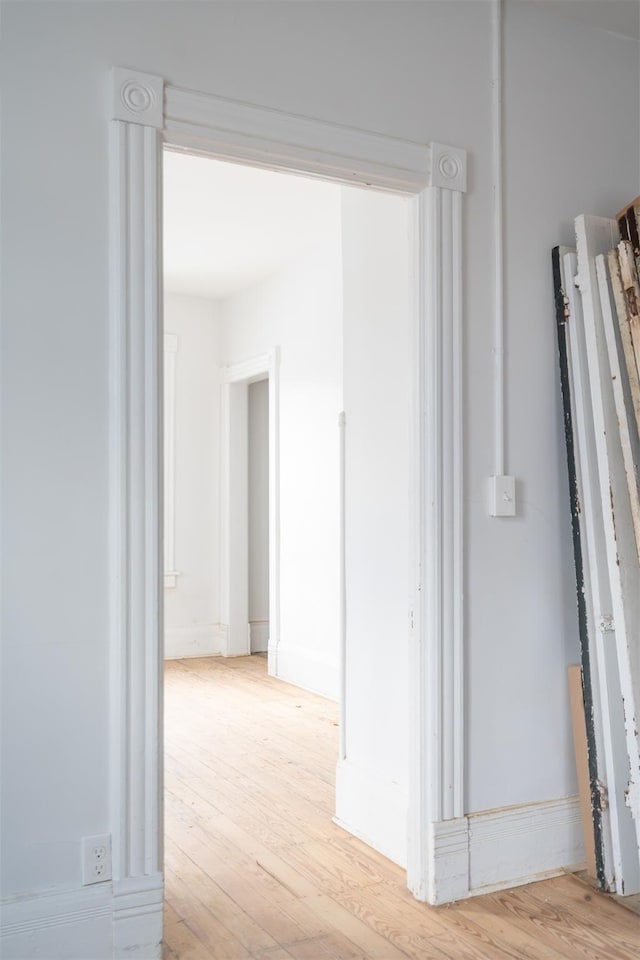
258, 501
253, 292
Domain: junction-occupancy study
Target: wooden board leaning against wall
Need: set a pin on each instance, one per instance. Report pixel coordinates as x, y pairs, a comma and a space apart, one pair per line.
597, 302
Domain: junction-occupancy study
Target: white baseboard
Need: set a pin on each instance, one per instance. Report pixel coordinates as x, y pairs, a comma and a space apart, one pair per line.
484, 852
74, 924
520, 844
372, 809
87, 923
206, 640
307, 671
259, 636
449, 880
137, 918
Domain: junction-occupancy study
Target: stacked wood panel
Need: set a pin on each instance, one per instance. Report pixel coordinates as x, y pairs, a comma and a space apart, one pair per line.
597, 312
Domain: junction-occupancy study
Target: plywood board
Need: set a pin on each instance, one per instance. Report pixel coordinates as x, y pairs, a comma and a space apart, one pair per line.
578, 722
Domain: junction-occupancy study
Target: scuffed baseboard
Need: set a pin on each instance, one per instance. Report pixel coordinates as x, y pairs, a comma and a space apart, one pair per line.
206, 640
137, 918
87, 923
480, 853
516, 845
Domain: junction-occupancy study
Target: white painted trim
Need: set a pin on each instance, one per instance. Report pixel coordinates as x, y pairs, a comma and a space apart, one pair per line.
342, 697
27, 916
449, 865
595, 235
170, 341
596, 591
252, 369
258, 136
246, 133
137, 98
246, 372
436, 661
371, 808
135, 499
204, 640
138, 918
497, 849
448, 168
274, 510
99, 921
519, 844
234, 544
623, 398
308, 671
622, 847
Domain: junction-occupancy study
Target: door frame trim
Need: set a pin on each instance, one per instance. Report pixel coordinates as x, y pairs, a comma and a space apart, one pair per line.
147, 115
265, 366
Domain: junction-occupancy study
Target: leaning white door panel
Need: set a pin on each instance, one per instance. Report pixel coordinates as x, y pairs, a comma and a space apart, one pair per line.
596, 236
622, 392
621, 864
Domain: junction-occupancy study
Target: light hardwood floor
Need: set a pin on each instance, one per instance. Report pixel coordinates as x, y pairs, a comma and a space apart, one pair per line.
256, 869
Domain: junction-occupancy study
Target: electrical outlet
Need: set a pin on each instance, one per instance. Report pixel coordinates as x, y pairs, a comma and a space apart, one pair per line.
96, 859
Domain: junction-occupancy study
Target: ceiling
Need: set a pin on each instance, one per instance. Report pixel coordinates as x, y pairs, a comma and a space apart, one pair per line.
227, 226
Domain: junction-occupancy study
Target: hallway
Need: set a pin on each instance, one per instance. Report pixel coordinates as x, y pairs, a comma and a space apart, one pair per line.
255, 868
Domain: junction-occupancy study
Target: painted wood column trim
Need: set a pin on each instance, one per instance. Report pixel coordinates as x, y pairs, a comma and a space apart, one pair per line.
136, 522
274, 511
438, 859
342, 447
169, 411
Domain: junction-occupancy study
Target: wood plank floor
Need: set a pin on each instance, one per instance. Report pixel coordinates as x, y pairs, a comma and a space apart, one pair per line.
256, 869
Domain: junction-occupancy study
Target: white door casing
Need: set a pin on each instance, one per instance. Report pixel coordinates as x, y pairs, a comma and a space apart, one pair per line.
146, 114
169, 479
234, 565
135, 523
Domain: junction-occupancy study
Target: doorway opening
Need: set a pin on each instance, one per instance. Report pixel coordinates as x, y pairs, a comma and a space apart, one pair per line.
253, 293
287, 302
249, 507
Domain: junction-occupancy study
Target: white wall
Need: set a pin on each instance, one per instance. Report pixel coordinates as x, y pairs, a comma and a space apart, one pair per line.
571, 146
563, 114
192, 607
258, 477
299, 309
373, 780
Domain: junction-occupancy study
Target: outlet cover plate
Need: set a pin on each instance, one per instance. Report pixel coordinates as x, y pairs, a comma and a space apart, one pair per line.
502, 496
96, 859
